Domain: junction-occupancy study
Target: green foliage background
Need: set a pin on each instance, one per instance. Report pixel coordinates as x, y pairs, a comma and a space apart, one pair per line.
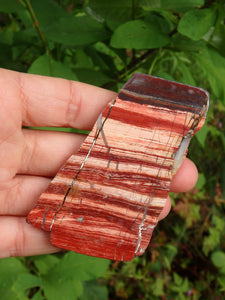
102, 43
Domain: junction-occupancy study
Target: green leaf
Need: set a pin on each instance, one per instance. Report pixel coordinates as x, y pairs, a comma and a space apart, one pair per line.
6, 36
173, 5
183, 43
45, 262
181, 5
171, 252
82, 60
10, 270
201, 181
187, 76
76, 31
139, 34
193, 214
158, 287
196, 23
60, 289
62, 129
38, 296
62, 27
164, 75
113, 12
181, 284
9, 6
94, 291
74, 266
162, 21
218, 39
211, 241
213, 64
25, 282
45, 65
48, 12
202, 134
68, 273
93, 77
218, 259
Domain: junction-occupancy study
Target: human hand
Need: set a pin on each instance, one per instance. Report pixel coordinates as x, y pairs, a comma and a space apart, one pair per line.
30, 158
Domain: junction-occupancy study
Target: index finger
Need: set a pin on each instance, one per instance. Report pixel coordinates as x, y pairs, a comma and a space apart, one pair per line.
48, 101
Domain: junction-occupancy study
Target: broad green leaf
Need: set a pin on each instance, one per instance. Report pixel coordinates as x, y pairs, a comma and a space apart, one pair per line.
6, 36
102, 61
164, 75
193, 214
48, 12
60, 289
45, 65
181, 5
213, 64
183, 43
62, 27
113, 12
187, 76
219, 223
25, 282
10, 270
45, 262
201, 181
93, 77
181, 284
211, 241
218, 39
202, 134
74, 266
9, 6
94, 291
171, 252
76, 31
218, 259
173, 5
196, 23
105, 58
139, 34
82, 60
158, 287
38, 296
164, 24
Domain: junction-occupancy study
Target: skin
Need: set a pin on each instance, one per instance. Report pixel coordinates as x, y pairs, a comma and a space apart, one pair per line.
30, 158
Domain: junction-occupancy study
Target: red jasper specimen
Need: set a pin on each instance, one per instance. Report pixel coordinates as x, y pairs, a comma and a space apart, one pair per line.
106, 200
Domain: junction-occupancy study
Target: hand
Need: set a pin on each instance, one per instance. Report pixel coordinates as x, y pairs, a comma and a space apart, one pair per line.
30, 158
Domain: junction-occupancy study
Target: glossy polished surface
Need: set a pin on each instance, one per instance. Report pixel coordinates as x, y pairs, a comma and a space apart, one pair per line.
106, 199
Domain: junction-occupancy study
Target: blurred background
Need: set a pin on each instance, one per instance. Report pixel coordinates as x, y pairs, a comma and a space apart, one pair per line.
102, 43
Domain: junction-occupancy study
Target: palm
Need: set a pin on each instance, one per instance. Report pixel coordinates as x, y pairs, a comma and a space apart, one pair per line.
30, 158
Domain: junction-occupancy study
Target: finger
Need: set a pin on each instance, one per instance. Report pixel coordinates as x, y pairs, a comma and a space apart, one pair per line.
17, 238
19, 195
166, 209
45, 152
56, 102
185, 178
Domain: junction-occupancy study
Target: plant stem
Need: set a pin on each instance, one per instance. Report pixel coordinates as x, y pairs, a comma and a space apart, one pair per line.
36, 24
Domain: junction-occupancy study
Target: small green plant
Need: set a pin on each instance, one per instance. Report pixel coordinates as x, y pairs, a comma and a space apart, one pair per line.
102, 43
69, 276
